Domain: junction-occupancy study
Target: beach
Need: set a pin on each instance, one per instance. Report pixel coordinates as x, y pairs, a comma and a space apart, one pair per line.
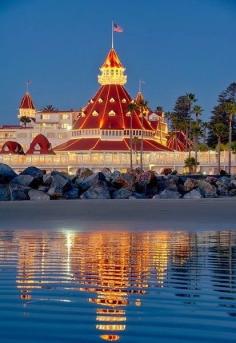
136, 215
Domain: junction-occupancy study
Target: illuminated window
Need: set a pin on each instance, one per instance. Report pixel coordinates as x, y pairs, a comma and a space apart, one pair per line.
65, 116
95, 113
112, 113
112, 100
100, 100
46, 116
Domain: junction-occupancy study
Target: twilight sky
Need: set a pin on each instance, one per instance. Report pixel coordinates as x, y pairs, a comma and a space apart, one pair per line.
175, 46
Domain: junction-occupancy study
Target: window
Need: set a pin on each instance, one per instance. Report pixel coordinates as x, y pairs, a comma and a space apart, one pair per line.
46, 116
65, 116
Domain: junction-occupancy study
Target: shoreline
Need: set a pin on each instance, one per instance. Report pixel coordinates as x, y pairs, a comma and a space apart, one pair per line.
131, 215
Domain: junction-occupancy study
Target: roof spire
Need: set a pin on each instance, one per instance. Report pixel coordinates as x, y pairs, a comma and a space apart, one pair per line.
112, 70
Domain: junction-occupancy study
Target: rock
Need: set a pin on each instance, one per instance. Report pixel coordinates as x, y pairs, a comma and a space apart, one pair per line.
72, 193
146, 183
43, 189
222, 189
232, 192
193, 194
6, 173
84, 172
23, 180
171, 183
19, 192
60, 183
33, 171
36, 195
47, 179
97, 191
87, 182
167, 194
232, 184
206, 189
4, 193
161, 182
190, 184
122, 193
124, 180
225, 180
107, 173
211, 179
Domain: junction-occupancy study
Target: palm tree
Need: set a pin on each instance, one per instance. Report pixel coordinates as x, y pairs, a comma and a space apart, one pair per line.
197, 110
192, 99
220, 130
49, 108
132, 107
25, 120
230, 109
143, 108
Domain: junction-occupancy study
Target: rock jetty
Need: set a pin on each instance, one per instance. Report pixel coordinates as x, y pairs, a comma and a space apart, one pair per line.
37, 185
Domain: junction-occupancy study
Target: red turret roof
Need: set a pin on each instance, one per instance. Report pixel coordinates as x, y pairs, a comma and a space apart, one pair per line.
27, 102
112, 60
109, 110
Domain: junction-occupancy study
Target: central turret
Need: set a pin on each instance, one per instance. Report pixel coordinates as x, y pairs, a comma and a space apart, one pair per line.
112, 70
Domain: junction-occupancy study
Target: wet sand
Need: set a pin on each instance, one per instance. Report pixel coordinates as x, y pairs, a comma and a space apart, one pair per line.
203, 214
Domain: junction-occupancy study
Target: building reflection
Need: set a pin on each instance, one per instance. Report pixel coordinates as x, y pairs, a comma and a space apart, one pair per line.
117, 269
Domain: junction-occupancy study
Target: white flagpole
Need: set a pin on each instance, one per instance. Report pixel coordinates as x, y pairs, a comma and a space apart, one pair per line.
112, 34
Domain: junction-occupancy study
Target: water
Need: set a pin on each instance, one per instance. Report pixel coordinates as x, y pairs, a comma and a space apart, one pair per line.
147, 287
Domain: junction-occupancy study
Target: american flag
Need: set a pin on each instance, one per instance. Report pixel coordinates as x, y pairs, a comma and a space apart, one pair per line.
117, 28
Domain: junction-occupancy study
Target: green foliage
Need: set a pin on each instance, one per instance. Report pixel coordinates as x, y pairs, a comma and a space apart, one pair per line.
49, 108
203, 147
191, 164
220, 114
25, 120
233, 147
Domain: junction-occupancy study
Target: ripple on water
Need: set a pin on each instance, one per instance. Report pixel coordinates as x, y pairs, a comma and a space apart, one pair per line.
91, 287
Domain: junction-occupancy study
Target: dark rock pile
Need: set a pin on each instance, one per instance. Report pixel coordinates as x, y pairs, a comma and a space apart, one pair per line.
36, 184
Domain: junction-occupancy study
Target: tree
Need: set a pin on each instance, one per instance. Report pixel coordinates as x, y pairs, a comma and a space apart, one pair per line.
230, 109
196, 128
49, 108
25, 120
159, 109
191, 164
220, 131
132, 107
219, 115
143, 108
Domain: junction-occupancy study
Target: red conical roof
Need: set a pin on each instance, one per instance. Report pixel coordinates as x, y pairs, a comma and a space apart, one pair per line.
27, 102
112, 60
40, 146
109, 110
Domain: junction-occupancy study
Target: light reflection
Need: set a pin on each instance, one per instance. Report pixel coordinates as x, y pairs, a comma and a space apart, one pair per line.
115, 270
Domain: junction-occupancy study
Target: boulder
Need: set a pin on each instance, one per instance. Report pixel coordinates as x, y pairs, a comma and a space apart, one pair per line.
33, 171
47, 179
167, 194
72, 193
19, 192
122, 180
222, 189
97, 191
23, 180
4, 193
84, 172
225, 180
122, 193
84, 183
6, 173
193, 194
171, 183
207, 190
36, 195
107, 173
43, 189
60, 183
190, 184
232, 192
232, 184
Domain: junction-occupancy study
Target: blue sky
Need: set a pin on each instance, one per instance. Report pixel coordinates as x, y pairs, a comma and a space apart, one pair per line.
175, 46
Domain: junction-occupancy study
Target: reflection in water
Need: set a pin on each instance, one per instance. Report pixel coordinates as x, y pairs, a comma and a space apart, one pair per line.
118, 273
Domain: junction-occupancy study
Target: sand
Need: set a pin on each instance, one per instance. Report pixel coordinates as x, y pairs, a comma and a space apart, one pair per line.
132, 215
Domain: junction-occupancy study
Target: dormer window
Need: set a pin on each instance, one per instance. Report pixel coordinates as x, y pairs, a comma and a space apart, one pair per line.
100, 100
91, 101
112, 113
112, 100
128, 114
95, 114
123, 101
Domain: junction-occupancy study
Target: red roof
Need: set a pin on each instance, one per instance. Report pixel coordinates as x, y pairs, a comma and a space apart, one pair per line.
96, 144
40, 146
112, 60
27, 102
11, 147
108, 109
178, 141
